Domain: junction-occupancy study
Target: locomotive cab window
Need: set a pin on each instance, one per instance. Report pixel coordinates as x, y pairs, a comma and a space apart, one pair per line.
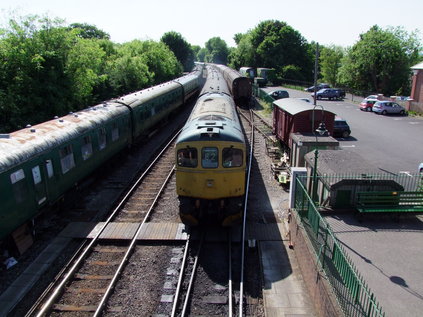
232, 157
209, 157
187, 157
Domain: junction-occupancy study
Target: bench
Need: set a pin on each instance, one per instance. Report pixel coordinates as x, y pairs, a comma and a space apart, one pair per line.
394, 202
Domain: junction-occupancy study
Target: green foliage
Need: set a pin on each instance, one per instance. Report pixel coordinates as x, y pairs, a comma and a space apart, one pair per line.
50, 69
274, 44
380, 61
201, 55
330, 62
87, 31
217, 51
181, 49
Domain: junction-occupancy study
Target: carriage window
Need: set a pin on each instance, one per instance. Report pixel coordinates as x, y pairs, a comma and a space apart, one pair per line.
209, 157
36, 175
49, 166
66, 159
187, 157
101, 138
20, 189
115, 132
86, 148
232, 157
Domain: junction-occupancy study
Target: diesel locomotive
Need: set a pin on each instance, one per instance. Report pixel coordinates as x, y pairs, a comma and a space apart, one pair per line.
40, 163
210, 155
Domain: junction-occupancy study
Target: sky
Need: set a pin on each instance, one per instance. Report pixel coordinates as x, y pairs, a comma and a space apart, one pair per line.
326, 21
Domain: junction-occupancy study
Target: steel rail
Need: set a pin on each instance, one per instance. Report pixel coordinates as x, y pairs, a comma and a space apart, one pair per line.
181, 275
230, 273
49, 303
130, 248
191, 280
241, 284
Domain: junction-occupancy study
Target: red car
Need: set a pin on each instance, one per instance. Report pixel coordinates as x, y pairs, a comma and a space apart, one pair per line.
367, 104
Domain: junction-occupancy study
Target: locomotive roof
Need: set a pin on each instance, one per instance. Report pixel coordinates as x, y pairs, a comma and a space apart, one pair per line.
214, 116
23, 144
294, 106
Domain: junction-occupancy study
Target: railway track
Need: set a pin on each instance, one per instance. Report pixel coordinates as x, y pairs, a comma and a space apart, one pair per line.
91, 278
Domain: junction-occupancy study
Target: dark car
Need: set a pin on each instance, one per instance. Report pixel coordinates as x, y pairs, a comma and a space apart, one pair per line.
318, 87
341, 128
330, 93
279, 94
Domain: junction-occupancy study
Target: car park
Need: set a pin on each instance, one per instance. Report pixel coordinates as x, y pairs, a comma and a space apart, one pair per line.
341, 128
329, 93
367, 104
318, 87
385, 107
279, 94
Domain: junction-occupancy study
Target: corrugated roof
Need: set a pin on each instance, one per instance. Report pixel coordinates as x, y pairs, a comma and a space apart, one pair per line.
294, 106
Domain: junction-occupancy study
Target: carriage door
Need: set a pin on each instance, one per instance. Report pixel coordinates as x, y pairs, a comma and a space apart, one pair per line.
39, 185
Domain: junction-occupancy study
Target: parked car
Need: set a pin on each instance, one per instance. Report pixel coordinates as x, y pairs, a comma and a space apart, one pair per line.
341, 128
384, 107
279, 94
367, 104
371, 97
329, 93
319, 86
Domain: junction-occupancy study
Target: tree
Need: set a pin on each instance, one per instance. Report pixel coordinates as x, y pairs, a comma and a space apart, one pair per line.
380, 61
274, 44
87, 31
217, 51
330, 62
181, 49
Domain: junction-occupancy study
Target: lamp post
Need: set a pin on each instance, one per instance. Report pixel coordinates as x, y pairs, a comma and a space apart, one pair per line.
321, 130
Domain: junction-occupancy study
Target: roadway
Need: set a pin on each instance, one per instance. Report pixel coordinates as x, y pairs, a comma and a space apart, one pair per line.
392, 142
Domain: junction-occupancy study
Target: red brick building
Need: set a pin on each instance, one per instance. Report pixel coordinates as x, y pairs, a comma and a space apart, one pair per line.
416, 104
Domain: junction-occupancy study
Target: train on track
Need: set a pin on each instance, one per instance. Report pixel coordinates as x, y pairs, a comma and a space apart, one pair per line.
211, 158
239, 86
40, 163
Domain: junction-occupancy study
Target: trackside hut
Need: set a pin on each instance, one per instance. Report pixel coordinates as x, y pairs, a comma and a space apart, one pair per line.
292, 115
338, 189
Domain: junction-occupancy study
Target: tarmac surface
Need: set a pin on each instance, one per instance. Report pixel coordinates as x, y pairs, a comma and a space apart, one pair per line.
388, 255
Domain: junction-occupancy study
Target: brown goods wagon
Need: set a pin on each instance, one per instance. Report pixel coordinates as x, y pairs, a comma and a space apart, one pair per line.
292, 115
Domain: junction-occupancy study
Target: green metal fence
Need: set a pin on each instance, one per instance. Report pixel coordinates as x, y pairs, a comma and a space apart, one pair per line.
353, 294
261, 94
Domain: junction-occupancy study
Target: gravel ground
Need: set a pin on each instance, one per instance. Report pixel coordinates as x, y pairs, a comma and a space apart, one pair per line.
93, 199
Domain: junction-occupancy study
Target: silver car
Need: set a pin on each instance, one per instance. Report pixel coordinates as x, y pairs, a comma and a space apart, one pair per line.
384, 107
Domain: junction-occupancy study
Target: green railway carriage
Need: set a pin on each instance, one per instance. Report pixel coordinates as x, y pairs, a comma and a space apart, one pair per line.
150, 106
40, 163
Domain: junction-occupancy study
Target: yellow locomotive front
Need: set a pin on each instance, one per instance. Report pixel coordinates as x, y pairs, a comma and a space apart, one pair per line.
210, 181
211, 163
